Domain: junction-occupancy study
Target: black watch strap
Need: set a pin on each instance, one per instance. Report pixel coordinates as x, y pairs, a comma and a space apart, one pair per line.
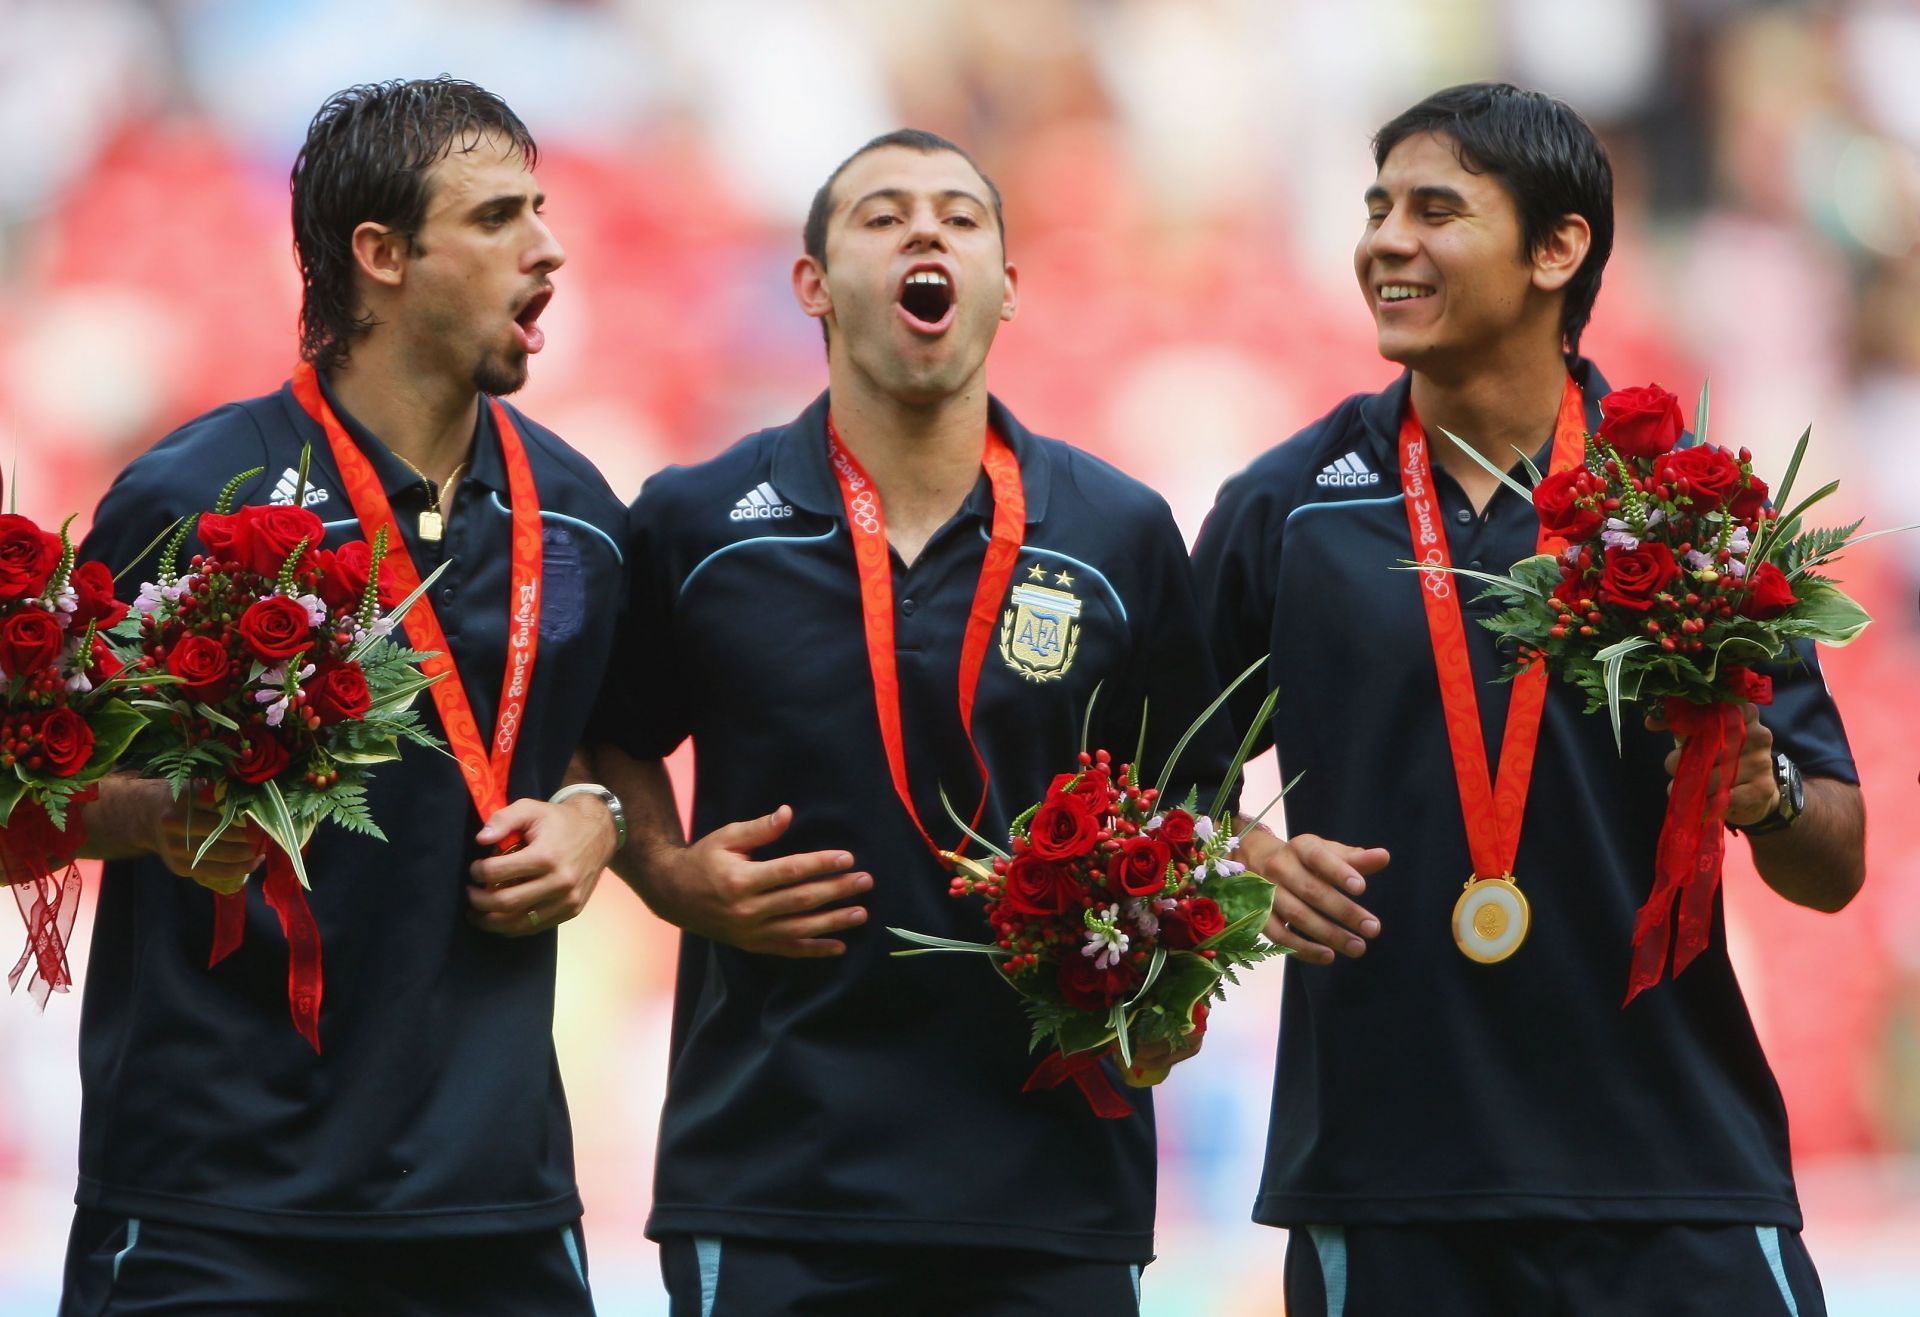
1793, 800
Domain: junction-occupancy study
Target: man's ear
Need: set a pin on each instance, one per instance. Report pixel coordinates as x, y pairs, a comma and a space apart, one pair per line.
810, 288
1560, 254
380, 252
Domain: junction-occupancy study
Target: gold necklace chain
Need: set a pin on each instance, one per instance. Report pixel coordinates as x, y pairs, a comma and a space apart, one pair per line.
432, 524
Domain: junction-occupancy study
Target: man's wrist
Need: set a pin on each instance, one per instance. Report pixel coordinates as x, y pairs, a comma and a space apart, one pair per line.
608, 800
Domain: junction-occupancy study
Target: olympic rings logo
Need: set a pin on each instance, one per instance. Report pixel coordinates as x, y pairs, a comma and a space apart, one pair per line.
866, 511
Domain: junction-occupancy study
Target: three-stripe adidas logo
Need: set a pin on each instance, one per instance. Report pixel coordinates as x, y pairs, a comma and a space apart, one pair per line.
761, 503
289, 481
1346, 473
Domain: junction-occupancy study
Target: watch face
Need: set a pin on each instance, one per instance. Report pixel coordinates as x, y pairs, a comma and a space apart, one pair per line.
1793, 791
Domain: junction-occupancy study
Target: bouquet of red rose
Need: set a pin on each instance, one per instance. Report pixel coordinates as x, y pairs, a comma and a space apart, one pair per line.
271, 687
1117, 918
62, 728
1678, 577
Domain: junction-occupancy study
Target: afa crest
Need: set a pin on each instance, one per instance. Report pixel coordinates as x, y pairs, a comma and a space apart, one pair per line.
1041, 632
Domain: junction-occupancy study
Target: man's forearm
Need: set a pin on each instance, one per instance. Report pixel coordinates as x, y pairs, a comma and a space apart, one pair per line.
1820, 862
121, 823
653, 817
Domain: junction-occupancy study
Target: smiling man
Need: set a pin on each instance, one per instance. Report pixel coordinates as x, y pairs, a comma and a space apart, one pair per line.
416, 1158
1452, 1137
899, 593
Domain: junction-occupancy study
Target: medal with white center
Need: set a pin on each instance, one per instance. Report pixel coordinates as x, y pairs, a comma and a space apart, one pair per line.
1490, 919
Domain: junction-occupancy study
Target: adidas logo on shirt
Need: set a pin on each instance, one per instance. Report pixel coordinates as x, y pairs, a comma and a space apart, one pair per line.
1346, 473
761, 503
288, 482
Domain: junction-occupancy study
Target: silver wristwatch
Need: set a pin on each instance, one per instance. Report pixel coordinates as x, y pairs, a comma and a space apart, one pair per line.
607, 798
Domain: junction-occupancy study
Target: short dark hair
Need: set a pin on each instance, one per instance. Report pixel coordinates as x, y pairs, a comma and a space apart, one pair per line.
1544, 155
366, 157
814, 235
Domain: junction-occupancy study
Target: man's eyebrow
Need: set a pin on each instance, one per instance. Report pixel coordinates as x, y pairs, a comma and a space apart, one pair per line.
1439, 192
507, 201
902, 194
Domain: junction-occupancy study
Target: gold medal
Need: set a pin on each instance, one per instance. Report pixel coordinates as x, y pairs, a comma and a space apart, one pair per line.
431, 526
1490, 919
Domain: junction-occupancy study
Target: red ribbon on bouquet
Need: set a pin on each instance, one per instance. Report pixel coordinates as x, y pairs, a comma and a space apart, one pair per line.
1083, 1068
33, 856
1693, 841
281, 887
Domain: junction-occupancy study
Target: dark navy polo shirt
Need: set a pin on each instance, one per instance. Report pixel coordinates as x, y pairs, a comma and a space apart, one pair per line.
1414, 1084
436, 1108
867, 1097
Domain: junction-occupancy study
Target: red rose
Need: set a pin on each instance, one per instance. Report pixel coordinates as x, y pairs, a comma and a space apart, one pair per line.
1176, 828
30, 641
1192, 922
1755, 687
1632, 577
204, 668
1555, 499
343, 576
1139, 867
272, 533
262, 758
276, 628
66, 742
28, 556
225, 536
1642, 422
1573, 586
338, 693
1092, 785
1087, 987
1064, 827
106, 665
93, 584
1712, 474
1768, 594
1038, 887
1746, 504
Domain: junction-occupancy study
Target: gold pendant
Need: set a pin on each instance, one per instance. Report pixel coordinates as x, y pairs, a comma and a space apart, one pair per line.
431, 526
1490, 919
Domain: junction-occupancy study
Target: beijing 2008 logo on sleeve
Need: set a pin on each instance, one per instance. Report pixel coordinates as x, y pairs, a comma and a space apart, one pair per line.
1040, 634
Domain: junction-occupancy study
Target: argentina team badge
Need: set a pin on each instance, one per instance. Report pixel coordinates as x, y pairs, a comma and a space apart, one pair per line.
1041, 632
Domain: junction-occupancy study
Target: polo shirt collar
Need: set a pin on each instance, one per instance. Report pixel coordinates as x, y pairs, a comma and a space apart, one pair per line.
1381, 412
485, 468
804, 476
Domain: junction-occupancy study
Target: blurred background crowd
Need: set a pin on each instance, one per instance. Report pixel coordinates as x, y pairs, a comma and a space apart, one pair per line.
1183, 186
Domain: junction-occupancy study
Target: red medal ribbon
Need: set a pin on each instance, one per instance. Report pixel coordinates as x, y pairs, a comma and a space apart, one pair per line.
484, 768
1493, 815
1693, 841
867, 524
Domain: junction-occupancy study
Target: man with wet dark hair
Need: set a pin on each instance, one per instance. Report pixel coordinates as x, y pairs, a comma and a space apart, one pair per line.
1465, 1120
413, 1154
897, 594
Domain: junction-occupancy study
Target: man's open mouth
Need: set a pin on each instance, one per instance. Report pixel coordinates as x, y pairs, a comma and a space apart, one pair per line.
532, 337
926, 299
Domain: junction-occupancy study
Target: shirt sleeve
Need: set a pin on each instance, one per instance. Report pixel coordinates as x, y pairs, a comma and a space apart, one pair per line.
1236, 565
1804, 720
131, 526
642, 708
1170, 677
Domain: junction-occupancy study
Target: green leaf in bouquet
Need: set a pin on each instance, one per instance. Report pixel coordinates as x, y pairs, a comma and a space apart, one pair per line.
1818, 547
1166, 770
925, 943
378, 751
1700, 413
966, 827
231, 806
1490, 466
1154, 966
1540, 574
401, 609
170, 556
1117, 1026
1086, 717
269, 810
300, 476
231, 490
1613, 660
1824, 613
214, 716
1257, 819
12, 788
1241, 755
1799, 512
1239, 896
63, 570
1188, 981
115, 725
1083, 1031
135, 561
401, 694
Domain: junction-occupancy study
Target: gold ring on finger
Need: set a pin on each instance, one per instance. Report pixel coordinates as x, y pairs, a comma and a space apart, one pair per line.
533, 919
